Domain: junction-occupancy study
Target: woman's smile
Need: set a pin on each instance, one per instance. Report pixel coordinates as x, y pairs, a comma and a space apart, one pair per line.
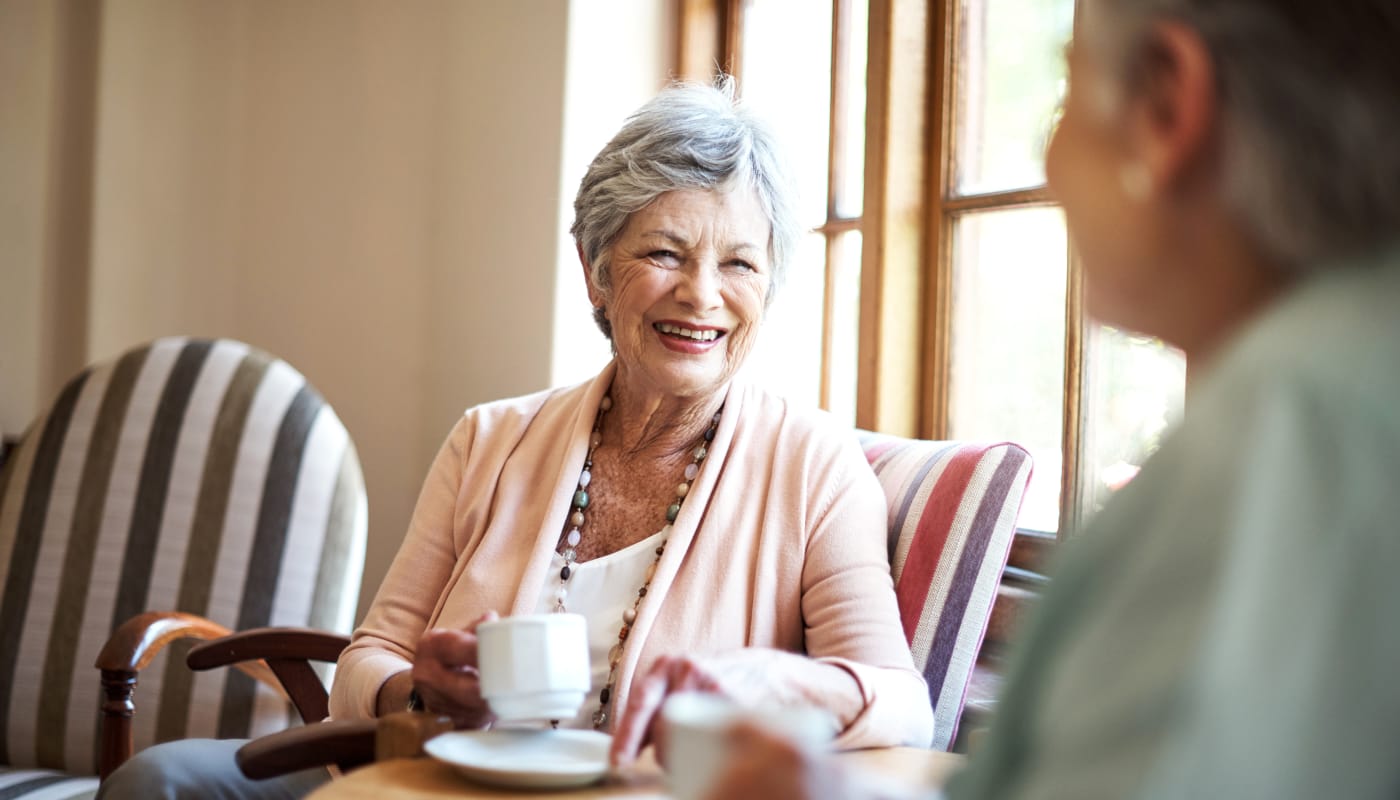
687, 338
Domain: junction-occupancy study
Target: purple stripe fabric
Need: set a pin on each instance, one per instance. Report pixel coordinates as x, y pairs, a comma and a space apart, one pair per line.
973, 561
958, 584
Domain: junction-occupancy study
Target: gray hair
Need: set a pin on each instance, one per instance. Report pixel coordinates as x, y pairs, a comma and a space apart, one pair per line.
1310, 111
690, 136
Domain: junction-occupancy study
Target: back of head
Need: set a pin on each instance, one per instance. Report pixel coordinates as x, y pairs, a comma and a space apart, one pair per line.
690, 136
1309, 107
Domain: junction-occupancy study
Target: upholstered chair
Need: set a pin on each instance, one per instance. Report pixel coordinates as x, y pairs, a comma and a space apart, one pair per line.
952, 517
202, 478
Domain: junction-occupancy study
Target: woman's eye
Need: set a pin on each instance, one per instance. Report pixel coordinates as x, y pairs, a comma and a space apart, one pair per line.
743, 266
664, 255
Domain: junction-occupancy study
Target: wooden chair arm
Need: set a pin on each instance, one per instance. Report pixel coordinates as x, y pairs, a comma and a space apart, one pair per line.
267, 643
287, 652
137, 641
132, 647
344, 743
276, 657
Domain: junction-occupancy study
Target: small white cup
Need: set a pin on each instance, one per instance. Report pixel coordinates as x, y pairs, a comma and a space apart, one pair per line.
697, 731
534, 667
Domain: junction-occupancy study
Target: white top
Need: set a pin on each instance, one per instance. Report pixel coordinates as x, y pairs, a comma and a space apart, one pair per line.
600, 589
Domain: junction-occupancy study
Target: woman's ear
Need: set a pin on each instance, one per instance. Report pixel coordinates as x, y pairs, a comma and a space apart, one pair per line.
1175, 105
595, 298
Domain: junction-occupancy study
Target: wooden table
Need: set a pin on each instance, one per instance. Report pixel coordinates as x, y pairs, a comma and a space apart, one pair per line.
426, 778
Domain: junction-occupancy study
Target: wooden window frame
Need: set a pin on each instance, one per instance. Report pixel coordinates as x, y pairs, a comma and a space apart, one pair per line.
709, 36
942, 208
907, 222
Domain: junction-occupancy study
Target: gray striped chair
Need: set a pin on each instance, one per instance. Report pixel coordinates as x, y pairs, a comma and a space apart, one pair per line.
205, 477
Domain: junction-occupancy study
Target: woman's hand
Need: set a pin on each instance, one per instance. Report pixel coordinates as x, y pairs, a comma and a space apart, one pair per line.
763, 766
751, 677
640, 723
444, 673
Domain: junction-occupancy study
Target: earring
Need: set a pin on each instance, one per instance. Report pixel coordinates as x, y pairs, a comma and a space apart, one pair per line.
1135, 181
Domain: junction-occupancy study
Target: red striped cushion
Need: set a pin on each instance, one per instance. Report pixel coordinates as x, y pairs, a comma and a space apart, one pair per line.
953, 508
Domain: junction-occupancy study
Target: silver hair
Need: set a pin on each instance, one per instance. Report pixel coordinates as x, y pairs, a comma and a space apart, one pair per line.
1310, 110
690, 136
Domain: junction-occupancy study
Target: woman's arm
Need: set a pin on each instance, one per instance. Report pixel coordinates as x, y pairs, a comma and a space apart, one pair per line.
857, 664
385, 643
851, 615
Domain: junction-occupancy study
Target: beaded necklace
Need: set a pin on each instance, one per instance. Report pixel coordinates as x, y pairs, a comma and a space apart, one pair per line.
573, 535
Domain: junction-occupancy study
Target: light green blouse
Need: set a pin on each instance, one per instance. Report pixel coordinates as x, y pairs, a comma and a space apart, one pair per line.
1229, 626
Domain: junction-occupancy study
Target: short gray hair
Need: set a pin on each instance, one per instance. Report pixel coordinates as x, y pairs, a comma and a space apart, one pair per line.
1310, 111
690, 136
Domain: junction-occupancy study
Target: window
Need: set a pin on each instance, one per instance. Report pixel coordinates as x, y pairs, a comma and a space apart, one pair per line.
812, 89
950, 304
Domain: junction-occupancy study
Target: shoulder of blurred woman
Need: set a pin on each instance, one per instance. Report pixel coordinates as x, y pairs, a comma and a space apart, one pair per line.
1330, 345
1331, 326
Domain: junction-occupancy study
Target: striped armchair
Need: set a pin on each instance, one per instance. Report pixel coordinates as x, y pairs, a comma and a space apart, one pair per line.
200, 476
953, 509
952, 515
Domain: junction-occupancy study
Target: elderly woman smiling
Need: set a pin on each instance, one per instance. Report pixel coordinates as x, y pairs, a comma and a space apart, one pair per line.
715, 537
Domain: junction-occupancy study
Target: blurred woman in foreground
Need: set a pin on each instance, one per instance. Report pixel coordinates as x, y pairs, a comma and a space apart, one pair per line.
1230, 173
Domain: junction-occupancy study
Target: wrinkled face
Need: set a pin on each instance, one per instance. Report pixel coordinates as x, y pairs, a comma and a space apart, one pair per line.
690, 274
1113, 231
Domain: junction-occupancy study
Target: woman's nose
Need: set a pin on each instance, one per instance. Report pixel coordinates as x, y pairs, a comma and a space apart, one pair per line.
699, 287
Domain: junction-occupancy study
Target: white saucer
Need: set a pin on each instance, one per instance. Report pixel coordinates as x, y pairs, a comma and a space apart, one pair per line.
533, 759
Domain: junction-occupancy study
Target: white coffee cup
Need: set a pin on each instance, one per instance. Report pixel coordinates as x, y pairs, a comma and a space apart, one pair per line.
697, 735
534, 667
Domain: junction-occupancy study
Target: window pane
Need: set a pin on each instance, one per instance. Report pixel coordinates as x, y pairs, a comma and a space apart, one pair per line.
1135, 388
1010, 79
844, 326
850, 189
787, 67
788, 356
1007, 365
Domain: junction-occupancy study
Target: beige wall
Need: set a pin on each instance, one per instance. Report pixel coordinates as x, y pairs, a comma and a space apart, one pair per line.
371, 189
47, 101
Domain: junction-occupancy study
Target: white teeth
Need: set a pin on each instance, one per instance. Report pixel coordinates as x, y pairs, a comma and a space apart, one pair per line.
676, 330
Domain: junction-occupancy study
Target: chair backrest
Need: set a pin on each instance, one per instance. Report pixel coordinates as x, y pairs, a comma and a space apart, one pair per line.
953, 509
195, 475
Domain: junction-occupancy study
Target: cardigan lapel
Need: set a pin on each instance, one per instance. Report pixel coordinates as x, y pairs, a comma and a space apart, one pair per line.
678, 543
585, 399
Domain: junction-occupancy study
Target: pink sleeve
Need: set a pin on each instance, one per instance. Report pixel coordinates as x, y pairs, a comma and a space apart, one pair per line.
852, 618
385, 642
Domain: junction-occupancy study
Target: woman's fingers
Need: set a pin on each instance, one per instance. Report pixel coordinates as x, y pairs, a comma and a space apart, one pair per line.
445, 676
489, 616
640, 720
452, 649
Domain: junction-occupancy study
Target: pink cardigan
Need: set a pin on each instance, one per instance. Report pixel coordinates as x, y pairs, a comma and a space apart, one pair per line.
780, 544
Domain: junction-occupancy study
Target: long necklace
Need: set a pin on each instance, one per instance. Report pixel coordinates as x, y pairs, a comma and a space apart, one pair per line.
574, 534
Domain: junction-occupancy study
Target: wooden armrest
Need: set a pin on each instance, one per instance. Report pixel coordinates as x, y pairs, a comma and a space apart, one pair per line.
267, 643
287, 652
132, 645
345, 743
